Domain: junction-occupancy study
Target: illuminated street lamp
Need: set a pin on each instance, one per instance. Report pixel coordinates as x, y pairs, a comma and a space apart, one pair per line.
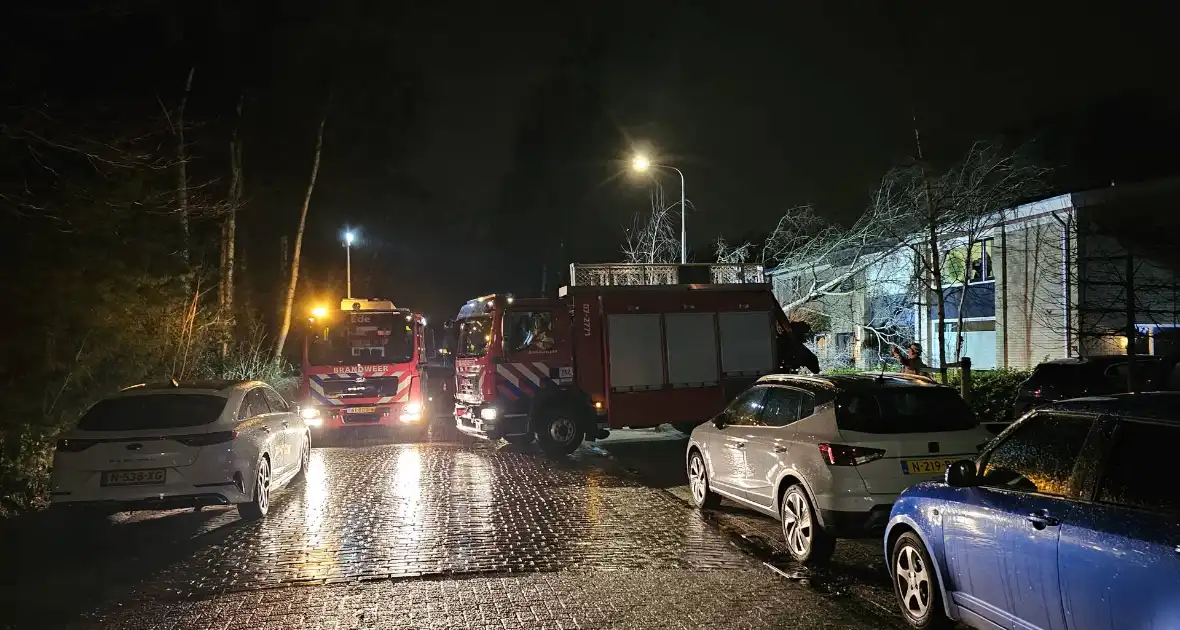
319, 312
348, 238
641, 164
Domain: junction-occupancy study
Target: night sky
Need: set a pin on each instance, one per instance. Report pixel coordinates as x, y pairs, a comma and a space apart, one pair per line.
473, 145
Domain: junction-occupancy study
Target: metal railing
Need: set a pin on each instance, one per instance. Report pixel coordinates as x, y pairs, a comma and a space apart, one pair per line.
647, 274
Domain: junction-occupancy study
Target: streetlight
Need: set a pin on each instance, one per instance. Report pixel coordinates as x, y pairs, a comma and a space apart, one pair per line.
348, 238
641, 164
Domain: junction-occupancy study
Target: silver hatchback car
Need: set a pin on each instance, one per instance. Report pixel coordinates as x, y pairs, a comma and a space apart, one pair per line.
828, 455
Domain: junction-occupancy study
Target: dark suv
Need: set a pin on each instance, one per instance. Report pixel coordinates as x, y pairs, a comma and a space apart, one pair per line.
1087, 376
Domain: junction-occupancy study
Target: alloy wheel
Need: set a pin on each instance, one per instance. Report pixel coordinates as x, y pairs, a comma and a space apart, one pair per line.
798, 527
912, 582
264, 486
696, 479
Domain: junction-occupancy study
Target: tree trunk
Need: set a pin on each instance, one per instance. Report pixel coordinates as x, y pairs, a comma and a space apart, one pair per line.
294, 278
963, 301
230, 229
182, 172
936, 276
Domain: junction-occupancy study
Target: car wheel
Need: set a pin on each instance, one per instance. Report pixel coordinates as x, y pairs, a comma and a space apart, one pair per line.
520, 440
685, 427
807, 541
304, 460
916, 584
558, 431
698, 483
260, 503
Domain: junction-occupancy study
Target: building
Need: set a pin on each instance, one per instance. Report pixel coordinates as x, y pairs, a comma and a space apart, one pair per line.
1045, 280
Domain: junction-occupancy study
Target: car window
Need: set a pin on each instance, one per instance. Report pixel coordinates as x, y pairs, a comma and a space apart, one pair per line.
746, 409
152, 411
1135, 478
892, 410
1039, 456
274, 401
254, 404
784, 405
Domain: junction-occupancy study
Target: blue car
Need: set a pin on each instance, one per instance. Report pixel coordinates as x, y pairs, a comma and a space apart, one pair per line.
1068, 520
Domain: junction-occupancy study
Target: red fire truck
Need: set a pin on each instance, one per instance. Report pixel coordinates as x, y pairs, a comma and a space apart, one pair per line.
598, 357
364, 368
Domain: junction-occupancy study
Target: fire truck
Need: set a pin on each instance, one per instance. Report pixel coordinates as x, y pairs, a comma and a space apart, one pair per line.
672, 345
364, 369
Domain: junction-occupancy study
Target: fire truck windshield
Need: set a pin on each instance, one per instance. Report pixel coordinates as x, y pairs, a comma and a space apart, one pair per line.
364, 338
475, 335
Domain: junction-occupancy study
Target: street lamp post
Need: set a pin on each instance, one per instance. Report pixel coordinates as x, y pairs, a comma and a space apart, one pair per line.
641, 164
348, 237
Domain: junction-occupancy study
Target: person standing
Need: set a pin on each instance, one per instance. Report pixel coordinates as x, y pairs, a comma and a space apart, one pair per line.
912, 362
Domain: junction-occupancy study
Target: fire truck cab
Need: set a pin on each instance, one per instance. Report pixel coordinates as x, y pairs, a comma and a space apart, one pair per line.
364, 369
596, 358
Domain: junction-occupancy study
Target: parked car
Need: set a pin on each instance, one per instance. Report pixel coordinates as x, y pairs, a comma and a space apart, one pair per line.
1070, 519
1074, 378
828, 455
181, 445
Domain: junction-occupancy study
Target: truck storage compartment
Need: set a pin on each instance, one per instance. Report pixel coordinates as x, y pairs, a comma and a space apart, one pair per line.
692, 349
636, 355
747, 345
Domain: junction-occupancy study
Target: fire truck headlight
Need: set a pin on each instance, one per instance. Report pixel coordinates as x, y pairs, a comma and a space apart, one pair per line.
412, 412
488, 413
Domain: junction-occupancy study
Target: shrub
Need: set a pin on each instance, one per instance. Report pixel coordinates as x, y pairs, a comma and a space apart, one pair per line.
993, 392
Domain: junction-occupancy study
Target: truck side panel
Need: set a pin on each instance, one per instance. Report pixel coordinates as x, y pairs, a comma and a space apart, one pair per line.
691, 349
747, 342
636, 351
590, 368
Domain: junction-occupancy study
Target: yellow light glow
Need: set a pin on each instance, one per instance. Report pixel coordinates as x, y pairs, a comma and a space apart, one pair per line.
640, 163
319, 312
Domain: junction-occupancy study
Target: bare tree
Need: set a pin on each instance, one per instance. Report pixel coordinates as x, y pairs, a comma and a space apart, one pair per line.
182, 170
229, 226
935, 214
819, 258
652, 237
289, 301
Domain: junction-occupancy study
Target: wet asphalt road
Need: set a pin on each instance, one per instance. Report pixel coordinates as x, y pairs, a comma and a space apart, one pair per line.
446, 534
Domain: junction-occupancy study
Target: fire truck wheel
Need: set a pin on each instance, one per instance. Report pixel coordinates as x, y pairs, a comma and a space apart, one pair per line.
558, 430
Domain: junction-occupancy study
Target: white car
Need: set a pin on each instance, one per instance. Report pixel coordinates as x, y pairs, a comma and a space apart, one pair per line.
181, 445
828, 455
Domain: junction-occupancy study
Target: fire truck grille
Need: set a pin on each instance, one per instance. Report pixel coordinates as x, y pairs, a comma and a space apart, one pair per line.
361, 418
469, 385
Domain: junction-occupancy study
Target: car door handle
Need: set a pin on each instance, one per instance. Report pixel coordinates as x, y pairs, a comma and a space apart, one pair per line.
1041, 520
286, 424
780, 449
264, 428
737, 445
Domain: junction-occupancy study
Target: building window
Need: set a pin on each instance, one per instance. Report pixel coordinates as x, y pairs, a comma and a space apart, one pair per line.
976, 267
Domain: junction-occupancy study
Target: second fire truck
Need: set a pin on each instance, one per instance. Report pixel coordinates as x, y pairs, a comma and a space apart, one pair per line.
560, 370
364, 369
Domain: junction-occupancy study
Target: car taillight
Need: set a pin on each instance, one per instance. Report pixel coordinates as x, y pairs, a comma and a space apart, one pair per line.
206, 439
844, 455
1036, 393
74, 446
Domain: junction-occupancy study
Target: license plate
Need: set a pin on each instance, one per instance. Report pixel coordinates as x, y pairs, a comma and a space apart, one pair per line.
134, 477
925, 466
361, 410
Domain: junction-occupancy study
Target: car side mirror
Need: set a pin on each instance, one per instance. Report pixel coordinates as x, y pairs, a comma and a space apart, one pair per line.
719, 421
962, 474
